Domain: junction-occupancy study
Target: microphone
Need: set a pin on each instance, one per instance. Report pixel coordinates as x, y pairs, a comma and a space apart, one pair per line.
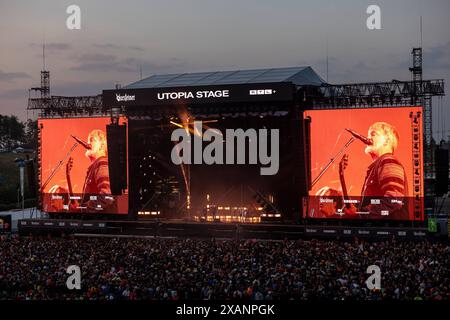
84, 144
360, 137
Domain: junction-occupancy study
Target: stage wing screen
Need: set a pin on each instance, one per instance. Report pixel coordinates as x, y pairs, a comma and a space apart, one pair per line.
74, 172
378, 175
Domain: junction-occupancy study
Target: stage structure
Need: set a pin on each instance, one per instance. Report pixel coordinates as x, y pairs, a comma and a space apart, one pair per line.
142, 116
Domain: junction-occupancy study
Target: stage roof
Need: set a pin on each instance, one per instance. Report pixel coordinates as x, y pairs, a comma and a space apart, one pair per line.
297, 75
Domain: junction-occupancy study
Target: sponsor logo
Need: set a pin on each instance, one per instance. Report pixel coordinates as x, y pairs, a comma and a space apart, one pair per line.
261, 92
125, 97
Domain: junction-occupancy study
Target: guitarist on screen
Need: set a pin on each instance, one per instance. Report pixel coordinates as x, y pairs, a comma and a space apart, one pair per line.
96, 194
96, 183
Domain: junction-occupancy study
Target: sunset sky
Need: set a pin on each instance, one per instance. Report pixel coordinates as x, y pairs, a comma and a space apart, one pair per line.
117, 38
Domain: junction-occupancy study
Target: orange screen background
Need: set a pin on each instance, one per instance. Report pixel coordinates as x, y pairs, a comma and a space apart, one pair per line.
328, 136
56, 142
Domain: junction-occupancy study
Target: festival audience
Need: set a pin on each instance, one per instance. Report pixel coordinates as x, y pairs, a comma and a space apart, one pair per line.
180, 269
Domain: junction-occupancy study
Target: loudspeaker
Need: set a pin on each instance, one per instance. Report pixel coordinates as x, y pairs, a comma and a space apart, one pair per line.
442, 167
117, 157
307, 154
31, 175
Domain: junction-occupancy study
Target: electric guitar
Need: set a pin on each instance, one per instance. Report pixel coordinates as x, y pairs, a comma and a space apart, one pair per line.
69, 167
342, 166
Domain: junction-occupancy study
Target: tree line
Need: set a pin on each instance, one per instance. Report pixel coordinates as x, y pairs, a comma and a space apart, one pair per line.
14, 132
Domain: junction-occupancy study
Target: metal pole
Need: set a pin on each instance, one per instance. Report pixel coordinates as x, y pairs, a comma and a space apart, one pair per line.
22, 193
332, 160
60, 163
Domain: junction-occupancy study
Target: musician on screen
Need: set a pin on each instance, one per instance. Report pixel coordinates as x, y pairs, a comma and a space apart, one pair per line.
97, 176
385, 189
96, 193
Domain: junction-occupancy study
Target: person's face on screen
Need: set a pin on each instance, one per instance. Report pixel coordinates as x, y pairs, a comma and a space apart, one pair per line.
380, 143
98, 146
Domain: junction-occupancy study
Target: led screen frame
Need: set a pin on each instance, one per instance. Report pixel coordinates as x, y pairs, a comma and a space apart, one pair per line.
328, 139
90, 193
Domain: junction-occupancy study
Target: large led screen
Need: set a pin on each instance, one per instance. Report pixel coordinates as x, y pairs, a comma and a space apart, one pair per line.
74, 167
366, 164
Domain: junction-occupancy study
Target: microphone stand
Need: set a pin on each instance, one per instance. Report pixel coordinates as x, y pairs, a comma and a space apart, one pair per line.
60, 163
332, 160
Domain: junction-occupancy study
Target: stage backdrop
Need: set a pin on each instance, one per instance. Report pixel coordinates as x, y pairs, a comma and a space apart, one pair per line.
328, 137
91, 189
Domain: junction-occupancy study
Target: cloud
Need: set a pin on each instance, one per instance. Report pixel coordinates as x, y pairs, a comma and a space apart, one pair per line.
111, 63
8, 76
101, 63
103, 67
95, 57
107, 46
53, 46
148, 67
437, 57
136, 48
84, 88
115, 46
14, 94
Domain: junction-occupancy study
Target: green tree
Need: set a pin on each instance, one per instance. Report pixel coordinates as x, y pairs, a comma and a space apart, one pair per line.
11, 128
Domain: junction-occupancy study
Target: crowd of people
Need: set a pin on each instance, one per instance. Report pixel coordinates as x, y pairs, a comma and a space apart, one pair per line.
180, 269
